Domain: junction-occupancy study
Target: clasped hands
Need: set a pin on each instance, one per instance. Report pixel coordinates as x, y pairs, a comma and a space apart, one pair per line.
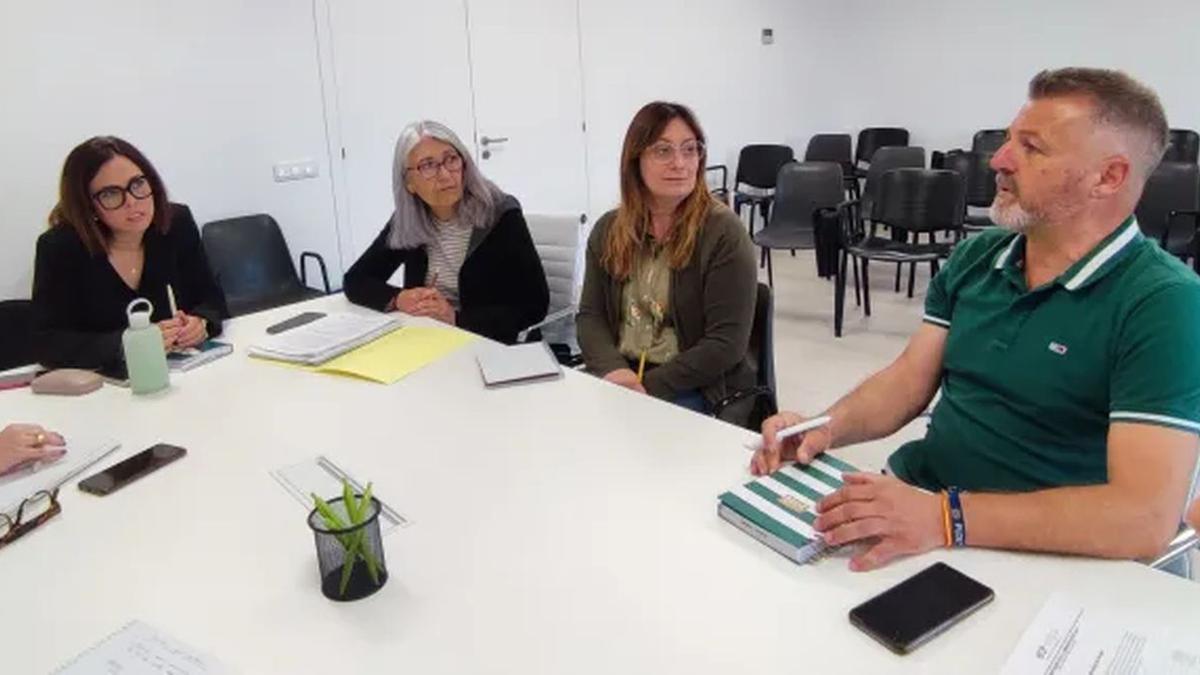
890, 517
425, 301
183, 331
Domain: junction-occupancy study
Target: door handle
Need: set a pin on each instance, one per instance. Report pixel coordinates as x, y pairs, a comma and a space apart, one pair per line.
485, 141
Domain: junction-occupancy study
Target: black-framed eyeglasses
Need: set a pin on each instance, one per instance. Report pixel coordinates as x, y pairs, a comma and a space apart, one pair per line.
689, 151
112, 197
35, 510
428, 169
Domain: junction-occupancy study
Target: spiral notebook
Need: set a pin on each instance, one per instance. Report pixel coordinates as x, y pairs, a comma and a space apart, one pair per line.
777, 509
140, 649
209, 350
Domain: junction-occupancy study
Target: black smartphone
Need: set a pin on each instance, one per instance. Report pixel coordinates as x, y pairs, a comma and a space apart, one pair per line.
128, 470
294, 322
920, 608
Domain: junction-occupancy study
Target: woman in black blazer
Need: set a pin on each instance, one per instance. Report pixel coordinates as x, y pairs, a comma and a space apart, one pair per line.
114, 237
467, 254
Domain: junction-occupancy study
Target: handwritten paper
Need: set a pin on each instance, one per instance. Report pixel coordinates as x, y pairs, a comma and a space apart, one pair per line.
139, 649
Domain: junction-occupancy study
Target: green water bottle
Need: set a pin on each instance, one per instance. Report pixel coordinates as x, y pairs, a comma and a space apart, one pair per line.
144, 355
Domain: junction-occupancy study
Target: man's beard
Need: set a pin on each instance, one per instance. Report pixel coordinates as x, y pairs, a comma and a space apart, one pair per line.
1012, 216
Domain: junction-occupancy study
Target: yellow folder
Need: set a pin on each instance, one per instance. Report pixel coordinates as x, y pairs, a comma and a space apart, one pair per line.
395, 355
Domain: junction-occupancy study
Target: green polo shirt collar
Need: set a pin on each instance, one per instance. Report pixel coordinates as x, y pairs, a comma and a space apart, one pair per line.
1087, 270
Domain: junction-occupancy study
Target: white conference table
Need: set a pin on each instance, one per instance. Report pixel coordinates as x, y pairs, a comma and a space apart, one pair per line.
563, 527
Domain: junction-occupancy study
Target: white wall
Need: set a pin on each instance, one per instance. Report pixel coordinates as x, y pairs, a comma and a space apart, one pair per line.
217, 92
946, 68
214, 93
708, 55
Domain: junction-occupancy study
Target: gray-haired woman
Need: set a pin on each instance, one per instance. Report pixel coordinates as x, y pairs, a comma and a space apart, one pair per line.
467, 254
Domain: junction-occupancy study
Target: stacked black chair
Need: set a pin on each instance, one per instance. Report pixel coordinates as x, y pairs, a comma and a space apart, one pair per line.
871, 139
920, 201
802, 192
988, 141
758, 165
884, 160
1168, 210
253, 266
1183, 146
834, 148
975, 168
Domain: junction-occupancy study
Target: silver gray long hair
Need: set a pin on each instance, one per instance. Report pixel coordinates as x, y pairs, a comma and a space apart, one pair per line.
412, 221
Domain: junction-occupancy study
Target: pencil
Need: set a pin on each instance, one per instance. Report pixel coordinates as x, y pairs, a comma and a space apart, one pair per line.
171, 299
641, 366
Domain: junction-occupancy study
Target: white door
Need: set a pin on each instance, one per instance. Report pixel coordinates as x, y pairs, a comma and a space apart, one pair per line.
529, 101
394, 62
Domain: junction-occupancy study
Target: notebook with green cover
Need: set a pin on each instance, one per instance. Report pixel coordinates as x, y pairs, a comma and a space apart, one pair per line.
777, 509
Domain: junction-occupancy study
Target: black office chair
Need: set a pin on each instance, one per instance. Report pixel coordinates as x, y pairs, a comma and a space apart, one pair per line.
16, 334
253, 266
1183, 146
914, 200
975, 168
748, 408
988, 141
871, 139
758, 165
1168, 210
802, 191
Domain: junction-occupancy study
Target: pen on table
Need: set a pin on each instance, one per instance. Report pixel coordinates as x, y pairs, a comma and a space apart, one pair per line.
795, 429
641, 366
171, 300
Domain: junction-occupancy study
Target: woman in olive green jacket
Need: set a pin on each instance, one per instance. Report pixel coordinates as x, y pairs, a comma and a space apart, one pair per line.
670, 283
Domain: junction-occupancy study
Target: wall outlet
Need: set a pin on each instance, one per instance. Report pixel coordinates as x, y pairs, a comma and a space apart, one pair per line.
768, 36
298, 170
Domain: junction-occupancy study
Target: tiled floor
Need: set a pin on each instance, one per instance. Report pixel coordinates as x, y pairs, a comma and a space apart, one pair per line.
813, 368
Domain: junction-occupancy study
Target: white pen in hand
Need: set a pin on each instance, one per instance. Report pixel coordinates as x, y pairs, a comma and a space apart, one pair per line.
794, 430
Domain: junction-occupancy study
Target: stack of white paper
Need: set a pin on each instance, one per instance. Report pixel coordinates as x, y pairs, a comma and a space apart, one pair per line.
330, 336
1069, 637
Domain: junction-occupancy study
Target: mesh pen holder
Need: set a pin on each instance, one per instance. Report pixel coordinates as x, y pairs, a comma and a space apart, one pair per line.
358, 547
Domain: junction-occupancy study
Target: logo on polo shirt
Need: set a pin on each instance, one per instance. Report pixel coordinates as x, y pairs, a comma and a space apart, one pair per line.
1058, 348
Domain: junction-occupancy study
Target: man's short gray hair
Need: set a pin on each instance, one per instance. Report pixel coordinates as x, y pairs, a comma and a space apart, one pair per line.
1119, 100
412, 221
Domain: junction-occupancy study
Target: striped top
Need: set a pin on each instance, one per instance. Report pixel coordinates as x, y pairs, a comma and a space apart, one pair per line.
446, 254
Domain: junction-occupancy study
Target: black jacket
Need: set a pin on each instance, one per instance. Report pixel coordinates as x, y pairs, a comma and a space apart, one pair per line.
501, 285
79, 300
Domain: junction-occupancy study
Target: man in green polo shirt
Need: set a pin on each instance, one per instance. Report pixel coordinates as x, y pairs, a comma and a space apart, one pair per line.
1067, 349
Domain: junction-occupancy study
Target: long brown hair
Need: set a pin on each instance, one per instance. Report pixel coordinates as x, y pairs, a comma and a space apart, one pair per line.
75, 207
627, 234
